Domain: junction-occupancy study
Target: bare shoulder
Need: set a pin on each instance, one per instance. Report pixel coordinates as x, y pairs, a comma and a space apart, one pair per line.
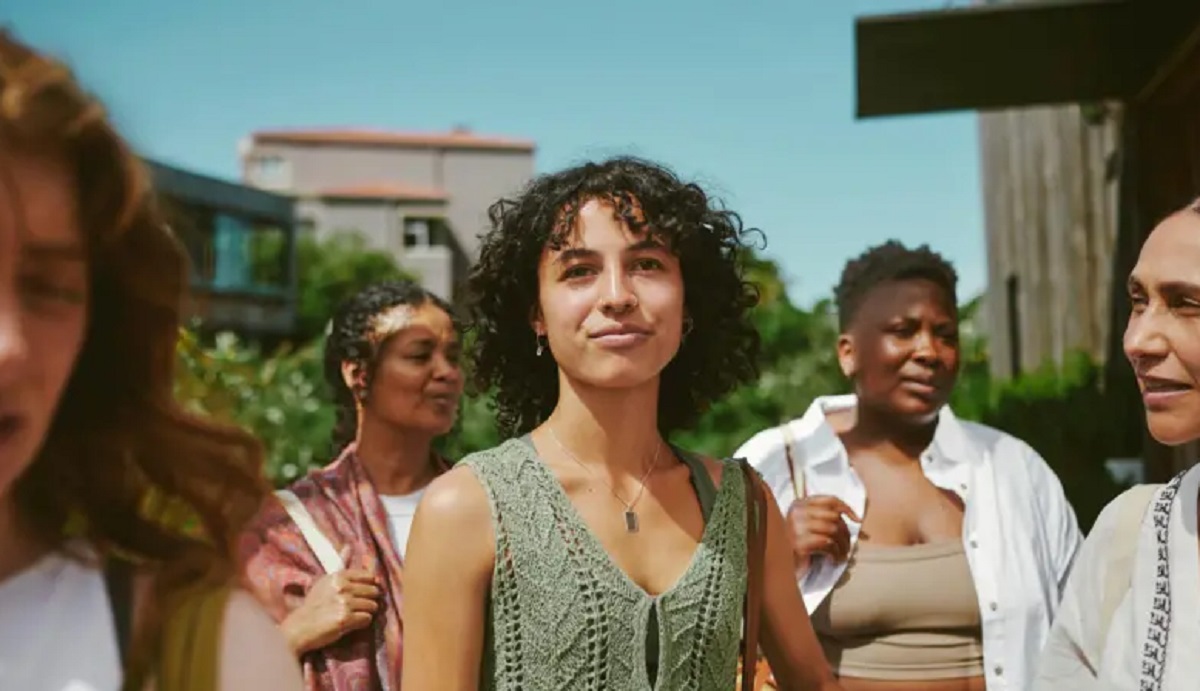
254, 654
455, 500
452, 542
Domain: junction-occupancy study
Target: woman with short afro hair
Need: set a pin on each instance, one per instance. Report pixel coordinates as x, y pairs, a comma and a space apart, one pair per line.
932, 551
588, 553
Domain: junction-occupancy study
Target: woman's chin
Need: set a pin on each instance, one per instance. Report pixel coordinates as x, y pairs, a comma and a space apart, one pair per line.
1172, 430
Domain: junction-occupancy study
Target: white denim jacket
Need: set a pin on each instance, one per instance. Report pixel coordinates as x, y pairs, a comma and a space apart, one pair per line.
1020, 534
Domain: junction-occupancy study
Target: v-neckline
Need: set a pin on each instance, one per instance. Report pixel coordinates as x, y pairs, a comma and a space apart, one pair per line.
574, 516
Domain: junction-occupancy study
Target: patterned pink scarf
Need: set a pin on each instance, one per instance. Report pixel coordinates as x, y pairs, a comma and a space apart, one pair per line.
280, 568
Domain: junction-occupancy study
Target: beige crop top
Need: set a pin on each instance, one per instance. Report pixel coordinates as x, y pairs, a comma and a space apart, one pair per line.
903, 613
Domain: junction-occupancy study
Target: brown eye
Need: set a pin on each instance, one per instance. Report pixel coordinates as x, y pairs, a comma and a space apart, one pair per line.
577, 271
47, 291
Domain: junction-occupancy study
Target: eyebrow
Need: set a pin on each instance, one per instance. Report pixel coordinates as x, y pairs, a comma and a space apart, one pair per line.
53, 251
573, 253
1134, 283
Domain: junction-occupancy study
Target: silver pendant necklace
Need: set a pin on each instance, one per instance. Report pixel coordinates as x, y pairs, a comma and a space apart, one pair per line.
631, 517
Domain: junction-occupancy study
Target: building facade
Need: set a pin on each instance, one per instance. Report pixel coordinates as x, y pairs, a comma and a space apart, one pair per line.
422, 198
242, 245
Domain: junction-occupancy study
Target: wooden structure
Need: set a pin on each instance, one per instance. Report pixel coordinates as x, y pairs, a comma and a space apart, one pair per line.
1050, 204
1107, 144
242, 243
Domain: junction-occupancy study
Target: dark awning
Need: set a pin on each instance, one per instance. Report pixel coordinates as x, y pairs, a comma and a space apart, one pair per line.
1014, 54
220, 194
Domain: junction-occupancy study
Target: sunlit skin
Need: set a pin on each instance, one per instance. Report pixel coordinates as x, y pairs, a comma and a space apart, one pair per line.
1162, 338
43, 318
901, 351
612, 304
611, 307
415, 385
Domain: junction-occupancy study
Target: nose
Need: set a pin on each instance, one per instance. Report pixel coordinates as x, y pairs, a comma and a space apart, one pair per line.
1144, 338
14, 346
618, 298
448, 369
924, 348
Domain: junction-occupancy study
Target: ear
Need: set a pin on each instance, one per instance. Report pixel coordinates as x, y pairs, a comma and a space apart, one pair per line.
352, 376
535, 321
847, 357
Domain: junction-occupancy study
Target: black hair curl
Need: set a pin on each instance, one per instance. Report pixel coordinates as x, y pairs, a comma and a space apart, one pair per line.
720, 351
891, 261
349, 340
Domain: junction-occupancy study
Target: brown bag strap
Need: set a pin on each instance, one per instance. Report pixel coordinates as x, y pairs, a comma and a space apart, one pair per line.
756, 548
799, 486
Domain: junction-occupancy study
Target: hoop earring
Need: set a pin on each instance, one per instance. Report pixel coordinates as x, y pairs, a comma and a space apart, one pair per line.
542, 344
688, 325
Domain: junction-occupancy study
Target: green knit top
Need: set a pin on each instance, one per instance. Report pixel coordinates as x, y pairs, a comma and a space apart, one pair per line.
563, 616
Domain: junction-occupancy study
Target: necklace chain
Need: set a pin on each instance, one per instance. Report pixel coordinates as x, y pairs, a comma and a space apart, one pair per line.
630, 516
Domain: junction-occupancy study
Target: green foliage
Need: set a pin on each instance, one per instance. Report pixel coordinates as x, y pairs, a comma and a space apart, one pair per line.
281, 399
1064, 414
331, 271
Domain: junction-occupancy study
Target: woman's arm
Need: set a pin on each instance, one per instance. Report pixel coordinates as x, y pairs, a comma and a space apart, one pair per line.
448, 570
788, 639
254, 655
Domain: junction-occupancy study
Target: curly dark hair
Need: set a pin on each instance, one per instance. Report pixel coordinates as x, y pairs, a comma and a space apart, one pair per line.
349, 340
719, 353
891, 261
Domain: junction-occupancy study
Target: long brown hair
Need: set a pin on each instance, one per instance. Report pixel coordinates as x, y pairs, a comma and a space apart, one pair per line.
121, 449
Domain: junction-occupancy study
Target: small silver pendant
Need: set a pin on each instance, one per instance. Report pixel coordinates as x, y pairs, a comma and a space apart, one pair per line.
631, 521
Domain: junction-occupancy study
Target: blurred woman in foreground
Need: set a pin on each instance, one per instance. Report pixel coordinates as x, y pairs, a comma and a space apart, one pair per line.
98, 589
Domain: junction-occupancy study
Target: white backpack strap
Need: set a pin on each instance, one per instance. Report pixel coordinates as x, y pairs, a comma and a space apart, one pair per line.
330, 560
1122, 550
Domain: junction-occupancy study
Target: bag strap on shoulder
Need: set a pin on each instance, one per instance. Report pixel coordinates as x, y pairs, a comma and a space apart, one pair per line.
799, 486
1122, 550
326, 553
118, 583
756, 548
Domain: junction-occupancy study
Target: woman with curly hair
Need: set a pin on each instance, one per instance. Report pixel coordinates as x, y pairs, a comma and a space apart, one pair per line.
101, 587
391, 359
589, 553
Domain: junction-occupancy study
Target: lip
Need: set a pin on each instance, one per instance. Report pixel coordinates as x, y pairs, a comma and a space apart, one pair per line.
616, 337
924, 387
1159, 392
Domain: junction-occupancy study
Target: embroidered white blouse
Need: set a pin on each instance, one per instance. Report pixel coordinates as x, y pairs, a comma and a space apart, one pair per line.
1019, 532
1079, 658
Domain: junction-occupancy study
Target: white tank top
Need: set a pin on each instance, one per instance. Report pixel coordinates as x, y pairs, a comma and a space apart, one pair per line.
56, 629
400, 510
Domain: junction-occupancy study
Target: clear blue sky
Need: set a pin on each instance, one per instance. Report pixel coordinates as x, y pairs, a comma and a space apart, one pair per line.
756, 102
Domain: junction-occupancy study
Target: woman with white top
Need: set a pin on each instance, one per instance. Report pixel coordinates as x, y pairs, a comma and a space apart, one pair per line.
930, 551
391, 359
102, 585
1130, 617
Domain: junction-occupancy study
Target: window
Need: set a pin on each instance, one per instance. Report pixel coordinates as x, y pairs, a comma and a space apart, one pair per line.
271, 172
417, 232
